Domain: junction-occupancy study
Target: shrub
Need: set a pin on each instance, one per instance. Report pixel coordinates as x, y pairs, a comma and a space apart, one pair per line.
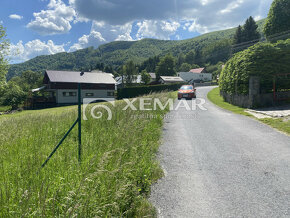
131, 92
13, 96
264, 60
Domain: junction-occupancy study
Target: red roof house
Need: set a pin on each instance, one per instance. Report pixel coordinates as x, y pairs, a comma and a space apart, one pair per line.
198, 70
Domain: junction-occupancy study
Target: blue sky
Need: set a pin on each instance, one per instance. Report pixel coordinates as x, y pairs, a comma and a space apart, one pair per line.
38, 27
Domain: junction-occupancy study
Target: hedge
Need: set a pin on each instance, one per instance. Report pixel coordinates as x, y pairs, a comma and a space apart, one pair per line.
131, 92
264, 60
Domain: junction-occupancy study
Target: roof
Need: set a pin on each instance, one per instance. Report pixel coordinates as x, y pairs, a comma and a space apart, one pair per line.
152, 75
197, 70
171, 79
96, 77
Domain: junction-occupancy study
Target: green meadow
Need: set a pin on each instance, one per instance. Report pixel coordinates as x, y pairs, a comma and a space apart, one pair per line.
113, 180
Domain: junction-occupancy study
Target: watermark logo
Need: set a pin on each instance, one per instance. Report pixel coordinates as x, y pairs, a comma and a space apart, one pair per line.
149, 104
93, 110
138, 104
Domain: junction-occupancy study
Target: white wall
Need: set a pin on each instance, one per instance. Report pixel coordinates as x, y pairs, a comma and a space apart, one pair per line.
60, 99
189, 76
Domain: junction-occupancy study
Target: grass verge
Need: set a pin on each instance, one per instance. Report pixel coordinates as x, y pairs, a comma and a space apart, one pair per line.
118, 167
214, 97
4, 108
277, 123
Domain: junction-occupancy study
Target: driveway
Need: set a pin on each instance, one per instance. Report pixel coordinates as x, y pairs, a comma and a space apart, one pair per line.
220, 164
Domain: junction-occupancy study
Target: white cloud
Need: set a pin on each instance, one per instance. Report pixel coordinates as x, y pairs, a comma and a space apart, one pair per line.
208, 15
205, 2
156, 29
55, 20
124, 11
102, 33
196, 27
258, 17
15, 17
22, 52
231, 6
93, 39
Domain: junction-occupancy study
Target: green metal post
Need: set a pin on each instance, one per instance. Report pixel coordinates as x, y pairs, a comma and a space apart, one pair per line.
61, 141
80, 121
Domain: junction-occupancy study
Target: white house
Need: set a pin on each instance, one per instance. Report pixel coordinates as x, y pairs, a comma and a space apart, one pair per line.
170, 79
195, 75
152, 77
136, 80
63, 85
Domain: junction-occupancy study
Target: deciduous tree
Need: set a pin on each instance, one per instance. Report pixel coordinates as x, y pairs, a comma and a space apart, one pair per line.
130, 71
278, 18
145, 77
185, 67
190, 57
4, 46
13, 95
166, 66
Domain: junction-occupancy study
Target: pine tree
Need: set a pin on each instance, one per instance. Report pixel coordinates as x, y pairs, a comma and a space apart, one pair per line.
250, 31
238, 38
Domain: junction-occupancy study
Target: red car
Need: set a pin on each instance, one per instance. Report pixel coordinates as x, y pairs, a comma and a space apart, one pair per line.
186, 91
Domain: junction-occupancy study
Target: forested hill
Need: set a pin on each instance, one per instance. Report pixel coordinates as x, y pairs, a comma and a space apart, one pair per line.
117, 53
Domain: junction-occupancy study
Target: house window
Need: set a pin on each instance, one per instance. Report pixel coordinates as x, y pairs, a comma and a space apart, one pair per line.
89, 94
69, 94
110, 93
102, 86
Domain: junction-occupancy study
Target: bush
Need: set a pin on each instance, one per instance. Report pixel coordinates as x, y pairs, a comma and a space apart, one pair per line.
132, 92
13, 96
264, 60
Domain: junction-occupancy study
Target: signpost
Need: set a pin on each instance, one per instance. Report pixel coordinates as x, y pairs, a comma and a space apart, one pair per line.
79, 121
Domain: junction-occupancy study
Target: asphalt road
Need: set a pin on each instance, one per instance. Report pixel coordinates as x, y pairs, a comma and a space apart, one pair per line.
220, 164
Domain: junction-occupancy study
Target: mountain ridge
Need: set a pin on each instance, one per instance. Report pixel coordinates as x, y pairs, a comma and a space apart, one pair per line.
119, 52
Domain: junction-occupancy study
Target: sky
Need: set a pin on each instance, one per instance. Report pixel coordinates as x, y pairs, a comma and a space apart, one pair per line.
42, 27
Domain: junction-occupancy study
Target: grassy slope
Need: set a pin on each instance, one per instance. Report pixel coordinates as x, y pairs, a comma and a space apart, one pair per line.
114, 178
279, 124
117, 53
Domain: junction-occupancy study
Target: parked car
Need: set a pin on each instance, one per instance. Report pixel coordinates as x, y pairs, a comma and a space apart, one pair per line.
187, 91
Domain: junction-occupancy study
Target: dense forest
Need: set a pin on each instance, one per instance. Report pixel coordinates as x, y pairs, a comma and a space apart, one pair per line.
207, 49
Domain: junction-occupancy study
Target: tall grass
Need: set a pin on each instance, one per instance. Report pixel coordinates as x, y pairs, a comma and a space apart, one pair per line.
115, 175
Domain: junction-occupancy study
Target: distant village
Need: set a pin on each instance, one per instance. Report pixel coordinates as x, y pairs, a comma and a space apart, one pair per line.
60, 87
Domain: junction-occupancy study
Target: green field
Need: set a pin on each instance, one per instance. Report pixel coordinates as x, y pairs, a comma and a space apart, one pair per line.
277, 123
115, 175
